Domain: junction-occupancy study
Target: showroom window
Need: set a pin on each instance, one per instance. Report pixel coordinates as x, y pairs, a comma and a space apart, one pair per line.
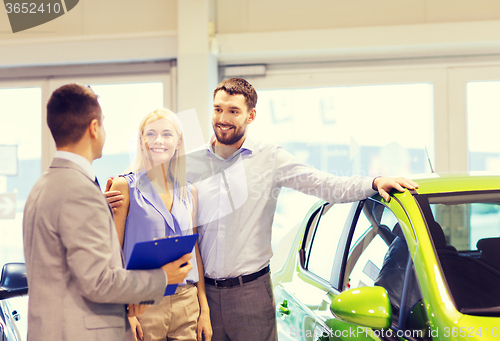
124, 100
20, 148
367, 130
26, 147
483, 120
122, 118
351, 130
20, 168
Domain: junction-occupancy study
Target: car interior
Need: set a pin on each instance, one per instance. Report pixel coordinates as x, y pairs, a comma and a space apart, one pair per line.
472, 275
473, 281
396, 274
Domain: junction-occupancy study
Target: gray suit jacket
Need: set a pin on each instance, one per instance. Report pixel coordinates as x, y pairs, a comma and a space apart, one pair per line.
77, 283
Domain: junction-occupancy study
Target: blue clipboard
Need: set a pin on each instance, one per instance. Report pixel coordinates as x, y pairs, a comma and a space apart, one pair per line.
156, 253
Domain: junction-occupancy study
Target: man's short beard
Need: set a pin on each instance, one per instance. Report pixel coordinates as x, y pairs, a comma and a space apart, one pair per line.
230, 140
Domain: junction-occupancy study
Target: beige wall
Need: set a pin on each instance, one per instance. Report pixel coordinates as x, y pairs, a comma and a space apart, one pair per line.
101, 17
237, 16
98, 17
260, 31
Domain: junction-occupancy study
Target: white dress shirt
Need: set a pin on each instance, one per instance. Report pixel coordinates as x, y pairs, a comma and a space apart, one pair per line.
79, 160
237, 200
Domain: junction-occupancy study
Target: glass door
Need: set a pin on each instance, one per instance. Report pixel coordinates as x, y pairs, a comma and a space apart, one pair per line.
20, 168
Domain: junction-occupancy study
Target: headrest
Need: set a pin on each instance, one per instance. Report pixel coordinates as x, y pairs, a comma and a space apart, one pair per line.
437, 234
386, 232
397, 231
489, 245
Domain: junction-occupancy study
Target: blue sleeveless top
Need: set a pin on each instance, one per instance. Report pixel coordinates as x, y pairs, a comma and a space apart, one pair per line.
148, 217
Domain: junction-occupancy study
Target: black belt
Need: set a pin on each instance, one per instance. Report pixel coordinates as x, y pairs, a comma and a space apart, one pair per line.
231, 282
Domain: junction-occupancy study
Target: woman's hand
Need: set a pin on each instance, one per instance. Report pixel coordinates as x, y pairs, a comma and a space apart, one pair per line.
136, 328
204, 326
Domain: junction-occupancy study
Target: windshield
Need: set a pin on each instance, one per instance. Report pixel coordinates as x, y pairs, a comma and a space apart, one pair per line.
465, 229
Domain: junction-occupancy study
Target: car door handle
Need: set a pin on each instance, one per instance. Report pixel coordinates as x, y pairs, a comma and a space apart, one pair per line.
284, 310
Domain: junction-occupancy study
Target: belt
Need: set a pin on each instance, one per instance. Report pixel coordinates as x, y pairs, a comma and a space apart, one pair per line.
231, 282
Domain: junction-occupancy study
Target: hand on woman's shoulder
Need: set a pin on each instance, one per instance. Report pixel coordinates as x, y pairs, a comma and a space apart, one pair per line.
119, 184
117, 193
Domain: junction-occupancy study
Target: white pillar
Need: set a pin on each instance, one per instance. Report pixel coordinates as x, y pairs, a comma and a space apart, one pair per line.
197, 67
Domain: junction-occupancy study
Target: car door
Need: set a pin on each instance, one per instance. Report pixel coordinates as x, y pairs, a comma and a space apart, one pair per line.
314, 261
356, 227
8, 330
374, 254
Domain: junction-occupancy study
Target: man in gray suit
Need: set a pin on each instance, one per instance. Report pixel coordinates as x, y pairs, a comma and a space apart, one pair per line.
78, 287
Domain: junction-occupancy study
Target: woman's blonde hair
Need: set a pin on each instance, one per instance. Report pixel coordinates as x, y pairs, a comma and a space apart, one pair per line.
177, 166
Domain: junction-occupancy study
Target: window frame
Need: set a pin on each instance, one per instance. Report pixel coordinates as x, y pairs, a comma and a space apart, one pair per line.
409, 272
308, 242
349, 240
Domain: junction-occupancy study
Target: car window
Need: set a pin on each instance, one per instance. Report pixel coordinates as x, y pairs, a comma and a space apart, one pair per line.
325, 239
369, 244
378, 255
464, 225
465, 230
366, 256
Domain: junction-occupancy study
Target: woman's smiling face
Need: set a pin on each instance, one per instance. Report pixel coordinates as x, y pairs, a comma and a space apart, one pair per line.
161, 140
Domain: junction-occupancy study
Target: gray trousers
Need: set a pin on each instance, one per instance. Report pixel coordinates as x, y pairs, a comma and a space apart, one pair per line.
243, 313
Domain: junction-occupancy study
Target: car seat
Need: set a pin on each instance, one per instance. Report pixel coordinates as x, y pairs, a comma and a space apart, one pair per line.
392, 275
473, 283
490, 251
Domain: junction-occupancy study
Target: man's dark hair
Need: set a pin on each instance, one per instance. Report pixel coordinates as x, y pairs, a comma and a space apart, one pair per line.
70, 110
239, 86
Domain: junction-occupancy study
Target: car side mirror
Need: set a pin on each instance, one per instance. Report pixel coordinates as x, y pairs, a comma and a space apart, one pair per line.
14, 281
365, 306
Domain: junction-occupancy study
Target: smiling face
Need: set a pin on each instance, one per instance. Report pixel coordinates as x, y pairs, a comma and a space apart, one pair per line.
230, 118
161, 141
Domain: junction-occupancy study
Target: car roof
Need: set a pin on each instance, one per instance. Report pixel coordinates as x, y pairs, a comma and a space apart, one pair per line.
456, 182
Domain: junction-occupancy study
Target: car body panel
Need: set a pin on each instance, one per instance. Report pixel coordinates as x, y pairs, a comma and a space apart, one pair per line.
13, 283
8, 327
303, 296
457, 183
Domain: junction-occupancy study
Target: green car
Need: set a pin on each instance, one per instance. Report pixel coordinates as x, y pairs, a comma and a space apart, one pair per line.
424, 266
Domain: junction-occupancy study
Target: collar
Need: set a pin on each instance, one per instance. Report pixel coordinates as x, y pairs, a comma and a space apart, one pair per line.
148, 192
248, 144
79, 160
141, 179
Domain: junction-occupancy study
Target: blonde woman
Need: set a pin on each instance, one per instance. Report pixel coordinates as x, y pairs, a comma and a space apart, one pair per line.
158, 202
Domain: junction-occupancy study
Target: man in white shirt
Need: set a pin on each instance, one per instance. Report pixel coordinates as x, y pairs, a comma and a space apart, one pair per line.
238, 181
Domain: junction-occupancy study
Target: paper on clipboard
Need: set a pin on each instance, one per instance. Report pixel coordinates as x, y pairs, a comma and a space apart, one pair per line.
156, 253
